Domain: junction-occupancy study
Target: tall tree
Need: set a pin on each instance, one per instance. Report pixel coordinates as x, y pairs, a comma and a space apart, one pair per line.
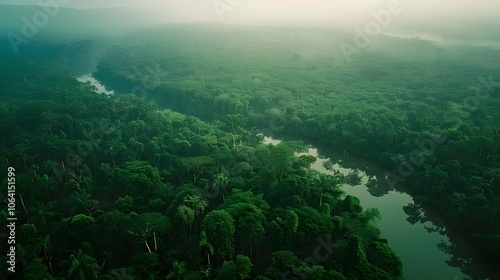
219, 228
82, 266
206, 246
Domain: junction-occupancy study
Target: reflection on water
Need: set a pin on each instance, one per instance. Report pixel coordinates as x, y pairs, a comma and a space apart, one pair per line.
411, 237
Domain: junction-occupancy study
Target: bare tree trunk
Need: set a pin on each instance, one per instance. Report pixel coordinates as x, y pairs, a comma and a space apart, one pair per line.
154, 236
147, 245
24, 207
51, 270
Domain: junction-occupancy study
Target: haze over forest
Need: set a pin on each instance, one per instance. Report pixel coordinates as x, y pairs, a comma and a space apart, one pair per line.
464, 21
250, 139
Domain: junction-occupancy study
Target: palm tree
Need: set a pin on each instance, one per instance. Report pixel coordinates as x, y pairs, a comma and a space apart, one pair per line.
186, 215
178, 270
221, 181
43, 247
115, 149
206, 272
80, 200
206, 246
83, 266
197, 204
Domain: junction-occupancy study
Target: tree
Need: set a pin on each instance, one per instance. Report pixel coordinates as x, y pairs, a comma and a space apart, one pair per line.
115, 149
234, 269
147, 225
43, 248
282, 262
351, 204
480, 145
276, 159
80, 200
250, 223
233, 123
44, 214
141, 179
196, 204
78, 224
178, 271
186, 216
312, 223
382, 256
220, 183
243, 266
324, 183
206, 246
197, 165
246, 197
124, 204
293, 186
289, 224
219, 228
112, 235
82, 266
146, 264
36, 270
305, 161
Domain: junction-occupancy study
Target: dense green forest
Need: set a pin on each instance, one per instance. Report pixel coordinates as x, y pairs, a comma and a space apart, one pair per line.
117, 187
170, 179
427, 111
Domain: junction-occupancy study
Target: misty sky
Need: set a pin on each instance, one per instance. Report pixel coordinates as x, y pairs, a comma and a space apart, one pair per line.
420, 15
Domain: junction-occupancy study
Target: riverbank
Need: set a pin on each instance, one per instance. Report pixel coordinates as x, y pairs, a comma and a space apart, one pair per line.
419, 250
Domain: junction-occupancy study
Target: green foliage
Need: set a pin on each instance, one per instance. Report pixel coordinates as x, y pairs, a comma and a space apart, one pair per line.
379, 106
380, 255
145, 264
219, 228
82, 266
236, 269
125, 204
37, 270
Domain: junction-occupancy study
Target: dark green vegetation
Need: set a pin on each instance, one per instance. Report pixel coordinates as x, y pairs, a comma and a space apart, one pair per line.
428, 112
116, 187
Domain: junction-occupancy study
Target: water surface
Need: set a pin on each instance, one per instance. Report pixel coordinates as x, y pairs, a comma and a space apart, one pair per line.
418, 248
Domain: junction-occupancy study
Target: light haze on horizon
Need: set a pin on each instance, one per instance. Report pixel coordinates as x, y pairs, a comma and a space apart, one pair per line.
473, 18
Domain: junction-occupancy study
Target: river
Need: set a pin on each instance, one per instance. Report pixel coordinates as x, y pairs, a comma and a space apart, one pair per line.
99, 87
418, 248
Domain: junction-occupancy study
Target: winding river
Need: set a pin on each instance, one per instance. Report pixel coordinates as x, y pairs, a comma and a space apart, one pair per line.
422, 258
417, 247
